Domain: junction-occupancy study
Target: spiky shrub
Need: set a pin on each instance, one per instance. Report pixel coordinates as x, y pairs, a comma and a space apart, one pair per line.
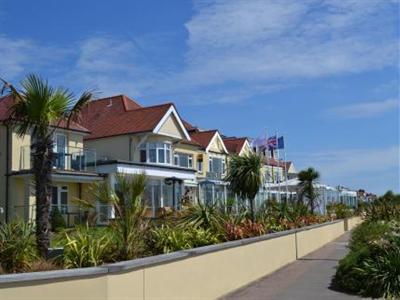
130, 225
17, 246
341, 210
166, 239
85, 248
206, 216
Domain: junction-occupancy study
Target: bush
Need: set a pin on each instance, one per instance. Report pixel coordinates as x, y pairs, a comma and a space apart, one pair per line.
366, 232
17, 246
166, 239
341, 210
242, 230
372, 268
57, 221
86, 248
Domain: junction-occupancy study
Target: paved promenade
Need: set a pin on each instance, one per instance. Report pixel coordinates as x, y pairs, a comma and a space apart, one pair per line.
306, 279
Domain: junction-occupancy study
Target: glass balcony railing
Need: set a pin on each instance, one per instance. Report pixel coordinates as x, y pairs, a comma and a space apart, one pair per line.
214, 176
73, 159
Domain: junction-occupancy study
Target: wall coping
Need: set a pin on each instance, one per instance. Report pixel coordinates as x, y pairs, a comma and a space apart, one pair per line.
140, 263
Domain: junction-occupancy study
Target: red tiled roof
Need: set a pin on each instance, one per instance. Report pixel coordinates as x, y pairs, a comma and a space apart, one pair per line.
188, 126
7, 101
203, 138
118, 116
274, 163
234, 145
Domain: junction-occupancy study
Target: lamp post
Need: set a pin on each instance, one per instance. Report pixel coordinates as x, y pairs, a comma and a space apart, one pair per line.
173, 180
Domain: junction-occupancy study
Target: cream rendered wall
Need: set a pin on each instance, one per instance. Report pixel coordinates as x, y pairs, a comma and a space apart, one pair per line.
171, 127
3, 170
20, 156
212, 275
246, 149
116, 147
89, 288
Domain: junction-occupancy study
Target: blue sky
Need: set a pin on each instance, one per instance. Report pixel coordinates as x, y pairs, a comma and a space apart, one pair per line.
325, 73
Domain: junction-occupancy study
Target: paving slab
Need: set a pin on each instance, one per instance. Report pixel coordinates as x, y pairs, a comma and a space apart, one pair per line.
308, 278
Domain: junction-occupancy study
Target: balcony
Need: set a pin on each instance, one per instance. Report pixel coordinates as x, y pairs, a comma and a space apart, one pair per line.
73, 159
215, 176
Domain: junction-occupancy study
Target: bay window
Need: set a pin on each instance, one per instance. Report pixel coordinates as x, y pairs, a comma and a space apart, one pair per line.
159, 153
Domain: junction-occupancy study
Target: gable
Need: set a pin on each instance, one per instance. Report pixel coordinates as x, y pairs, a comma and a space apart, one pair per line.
171, 128
246, 149
216, 144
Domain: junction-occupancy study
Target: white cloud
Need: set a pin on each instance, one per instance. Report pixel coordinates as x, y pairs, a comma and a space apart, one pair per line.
365, 109
248, 41
21, 56
111, 66
235, 50
358, 168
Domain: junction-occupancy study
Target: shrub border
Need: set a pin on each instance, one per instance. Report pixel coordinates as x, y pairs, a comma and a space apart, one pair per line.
139, 263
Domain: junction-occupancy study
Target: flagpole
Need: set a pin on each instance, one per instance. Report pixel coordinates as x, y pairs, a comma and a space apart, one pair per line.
279, 179
286, 170
266, 163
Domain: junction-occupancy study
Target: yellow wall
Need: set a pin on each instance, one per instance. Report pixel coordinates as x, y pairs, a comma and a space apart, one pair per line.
171, 127
78, 289
212, 275
20, 147
3, 170
311, 240
113, 147
20, 156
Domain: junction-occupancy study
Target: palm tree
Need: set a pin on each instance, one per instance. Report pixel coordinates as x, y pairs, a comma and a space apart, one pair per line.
38, 109
306, 188
245, 176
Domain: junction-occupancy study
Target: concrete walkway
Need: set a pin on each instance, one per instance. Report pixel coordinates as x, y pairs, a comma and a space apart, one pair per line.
309, 278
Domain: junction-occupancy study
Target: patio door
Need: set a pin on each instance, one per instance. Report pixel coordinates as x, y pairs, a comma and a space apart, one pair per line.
59, 198
60, 151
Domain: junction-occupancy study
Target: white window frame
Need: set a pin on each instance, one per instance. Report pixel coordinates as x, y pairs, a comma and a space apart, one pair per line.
190, 160
166, 147
60, 189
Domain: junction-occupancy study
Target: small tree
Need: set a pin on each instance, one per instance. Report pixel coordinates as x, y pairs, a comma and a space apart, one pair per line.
245, 176
306, 188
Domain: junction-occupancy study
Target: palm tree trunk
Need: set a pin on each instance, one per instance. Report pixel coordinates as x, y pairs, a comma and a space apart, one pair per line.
253, 217
42, 168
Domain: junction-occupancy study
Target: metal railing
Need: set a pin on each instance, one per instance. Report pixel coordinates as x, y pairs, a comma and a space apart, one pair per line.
72, 214
73, 159
214, 175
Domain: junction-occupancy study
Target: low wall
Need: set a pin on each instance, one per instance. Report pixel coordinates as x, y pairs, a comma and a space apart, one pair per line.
350, 223
207, 272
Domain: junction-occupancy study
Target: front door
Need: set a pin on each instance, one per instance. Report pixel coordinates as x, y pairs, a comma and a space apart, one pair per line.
59, 198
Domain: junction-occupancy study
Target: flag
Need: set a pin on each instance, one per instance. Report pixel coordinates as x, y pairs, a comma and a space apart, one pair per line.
272, 143
281, 143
